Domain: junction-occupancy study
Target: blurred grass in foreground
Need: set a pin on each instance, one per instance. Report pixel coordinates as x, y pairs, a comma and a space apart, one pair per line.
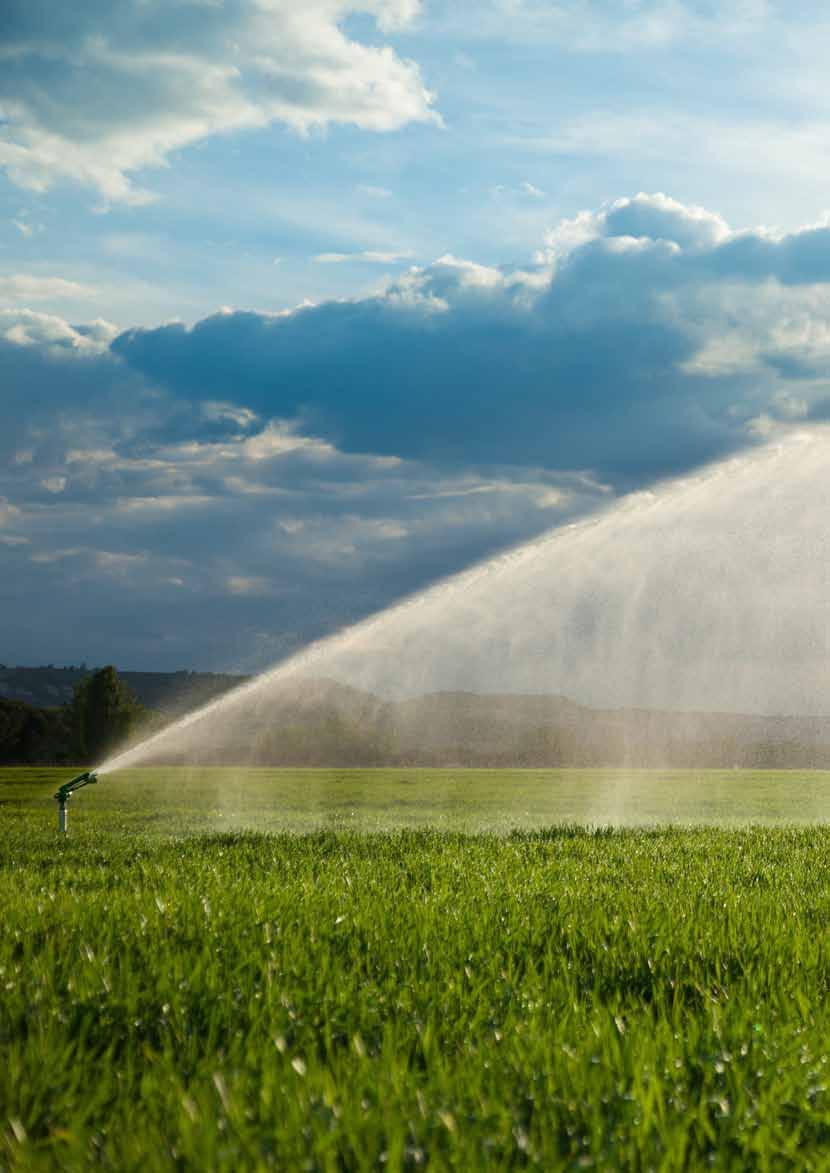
561, 998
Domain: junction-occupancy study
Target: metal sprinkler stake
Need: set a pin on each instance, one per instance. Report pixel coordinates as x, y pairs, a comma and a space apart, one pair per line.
63, 795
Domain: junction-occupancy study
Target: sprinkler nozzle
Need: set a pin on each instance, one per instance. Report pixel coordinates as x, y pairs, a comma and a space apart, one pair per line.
65, 792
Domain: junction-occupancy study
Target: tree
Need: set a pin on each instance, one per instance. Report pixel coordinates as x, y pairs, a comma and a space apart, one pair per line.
29, 736
103, 713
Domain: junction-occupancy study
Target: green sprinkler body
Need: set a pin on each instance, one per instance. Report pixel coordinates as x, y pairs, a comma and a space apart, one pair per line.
66, 791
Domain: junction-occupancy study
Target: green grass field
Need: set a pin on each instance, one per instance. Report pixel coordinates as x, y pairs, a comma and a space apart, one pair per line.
483, 994
179, 800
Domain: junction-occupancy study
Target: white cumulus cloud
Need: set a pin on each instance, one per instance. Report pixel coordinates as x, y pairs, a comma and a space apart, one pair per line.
96, 91
26, 327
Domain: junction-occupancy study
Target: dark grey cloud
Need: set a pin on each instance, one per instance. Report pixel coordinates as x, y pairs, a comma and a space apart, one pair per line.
478, 382
599, 364
153, 530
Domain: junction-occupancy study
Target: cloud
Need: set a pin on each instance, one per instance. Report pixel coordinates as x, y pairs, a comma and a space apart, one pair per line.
641, 217
8, 513
374, 192
54, 484
107, 88
201, 532
525, 191
17, 287
239, 584
658, 217
26, 327
369, 257
340, 455
597, 26
643, 343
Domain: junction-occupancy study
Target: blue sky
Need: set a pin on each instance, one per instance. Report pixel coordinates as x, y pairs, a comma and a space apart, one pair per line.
304, 306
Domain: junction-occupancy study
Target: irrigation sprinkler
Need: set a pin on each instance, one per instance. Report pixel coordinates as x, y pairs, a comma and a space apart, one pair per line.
66, 791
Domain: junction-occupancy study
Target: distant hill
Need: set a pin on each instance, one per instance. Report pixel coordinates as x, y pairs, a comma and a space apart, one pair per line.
321, 722
511, 730
324, 723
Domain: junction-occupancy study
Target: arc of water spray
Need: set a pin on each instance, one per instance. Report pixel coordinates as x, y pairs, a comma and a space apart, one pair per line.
655, 592
307, 657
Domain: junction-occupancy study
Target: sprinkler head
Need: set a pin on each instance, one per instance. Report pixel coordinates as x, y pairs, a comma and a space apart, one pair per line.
86, 779
64, 793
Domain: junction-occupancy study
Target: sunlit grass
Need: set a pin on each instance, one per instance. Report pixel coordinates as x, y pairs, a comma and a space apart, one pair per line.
178, 799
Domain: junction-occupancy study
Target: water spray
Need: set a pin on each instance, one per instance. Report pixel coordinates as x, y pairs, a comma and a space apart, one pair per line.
634, 606
66, 791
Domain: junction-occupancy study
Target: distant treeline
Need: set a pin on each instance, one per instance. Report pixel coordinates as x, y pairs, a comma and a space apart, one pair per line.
170, 693
101, 713
322, 723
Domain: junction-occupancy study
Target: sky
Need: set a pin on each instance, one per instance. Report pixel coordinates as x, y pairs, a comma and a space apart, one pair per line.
303, 307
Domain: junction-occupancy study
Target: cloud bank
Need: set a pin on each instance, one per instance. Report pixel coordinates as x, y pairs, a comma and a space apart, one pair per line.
648, 338
245, 484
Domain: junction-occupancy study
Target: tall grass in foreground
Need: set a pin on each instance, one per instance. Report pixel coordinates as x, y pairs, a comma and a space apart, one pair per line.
562, 999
